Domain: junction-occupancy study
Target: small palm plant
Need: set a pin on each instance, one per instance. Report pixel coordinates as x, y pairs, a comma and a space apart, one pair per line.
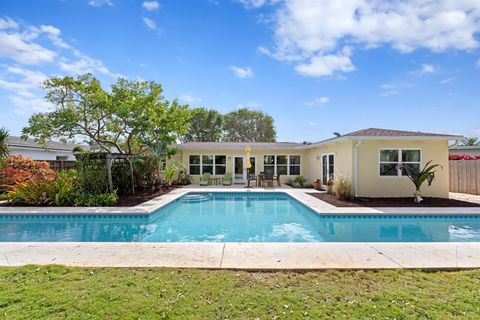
418, 177
4, 151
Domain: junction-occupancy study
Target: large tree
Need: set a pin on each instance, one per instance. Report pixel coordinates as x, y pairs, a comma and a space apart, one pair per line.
205, 126
4, 150
245, 125
115, 120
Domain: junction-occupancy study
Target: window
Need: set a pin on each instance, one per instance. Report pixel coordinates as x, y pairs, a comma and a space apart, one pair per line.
269, 164
220, 164
294, 163
282, 164
62, 158
213, 164
194, 165
391, 158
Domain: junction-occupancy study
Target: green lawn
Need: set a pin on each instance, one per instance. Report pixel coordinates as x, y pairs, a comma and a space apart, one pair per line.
56, 292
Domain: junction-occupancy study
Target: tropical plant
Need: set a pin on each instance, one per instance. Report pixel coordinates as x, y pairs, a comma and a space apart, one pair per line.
169, 173
342, 188
65, 187
22, 169
245, 125
36, 192
418, 177
4, 150
471, 142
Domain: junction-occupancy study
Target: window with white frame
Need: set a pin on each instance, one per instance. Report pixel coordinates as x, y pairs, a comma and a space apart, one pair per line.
390, 159
283, 165
294, 165
201, 164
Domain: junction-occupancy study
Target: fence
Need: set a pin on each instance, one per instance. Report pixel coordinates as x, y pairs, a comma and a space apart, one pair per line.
59, 165
465, 176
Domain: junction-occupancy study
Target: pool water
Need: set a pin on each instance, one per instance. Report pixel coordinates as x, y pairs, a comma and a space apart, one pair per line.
239, 217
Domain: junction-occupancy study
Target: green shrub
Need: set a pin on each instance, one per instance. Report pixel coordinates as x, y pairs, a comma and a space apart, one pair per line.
36, 192
169, 173
342, 188
146, 171
66, 187
95, 200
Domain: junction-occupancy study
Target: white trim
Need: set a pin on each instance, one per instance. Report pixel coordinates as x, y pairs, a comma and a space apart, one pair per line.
334, 154
244, 169
400, 160
355, 168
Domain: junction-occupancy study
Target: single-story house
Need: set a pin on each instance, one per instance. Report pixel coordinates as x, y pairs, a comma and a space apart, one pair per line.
52, 150
367, 158
469, 150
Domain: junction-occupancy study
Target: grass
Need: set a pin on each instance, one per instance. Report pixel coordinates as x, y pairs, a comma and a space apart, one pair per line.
56, 292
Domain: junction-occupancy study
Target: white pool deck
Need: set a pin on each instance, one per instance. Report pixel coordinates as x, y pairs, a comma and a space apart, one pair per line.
246, 256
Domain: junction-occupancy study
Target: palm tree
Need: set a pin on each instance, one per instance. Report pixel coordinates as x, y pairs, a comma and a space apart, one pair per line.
471, 142
4, 151
419, 177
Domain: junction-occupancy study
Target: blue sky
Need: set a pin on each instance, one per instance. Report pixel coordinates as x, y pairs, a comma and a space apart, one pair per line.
316, 67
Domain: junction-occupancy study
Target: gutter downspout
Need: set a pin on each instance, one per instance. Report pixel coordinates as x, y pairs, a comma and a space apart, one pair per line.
355, 168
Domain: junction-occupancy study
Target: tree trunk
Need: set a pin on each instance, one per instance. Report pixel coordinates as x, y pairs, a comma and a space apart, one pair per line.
131, 174
109, 171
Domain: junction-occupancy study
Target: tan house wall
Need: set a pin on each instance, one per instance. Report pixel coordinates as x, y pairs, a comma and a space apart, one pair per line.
184, 155
343, 151
371, 184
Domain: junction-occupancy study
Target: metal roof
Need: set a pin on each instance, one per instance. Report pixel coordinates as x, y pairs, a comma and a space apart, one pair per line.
239, 145
50, 145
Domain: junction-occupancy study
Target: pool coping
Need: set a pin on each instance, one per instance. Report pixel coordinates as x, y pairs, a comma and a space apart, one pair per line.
301, 195
245, 256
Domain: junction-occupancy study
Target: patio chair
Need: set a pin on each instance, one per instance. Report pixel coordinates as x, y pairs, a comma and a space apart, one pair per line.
205, 180
268, 179
227, 179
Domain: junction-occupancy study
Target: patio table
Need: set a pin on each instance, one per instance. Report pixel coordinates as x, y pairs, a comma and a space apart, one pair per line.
217, 181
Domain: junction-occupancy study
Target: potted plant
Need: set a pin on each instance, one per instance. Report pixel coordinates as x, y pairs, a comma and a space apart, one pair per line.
330, 186
316, 184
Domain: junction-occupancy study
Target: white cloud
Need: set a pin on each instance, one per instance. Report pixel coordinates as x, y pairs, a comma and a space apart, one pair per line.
392, 88
319, 101
250, 4
448, 80
313, 33
326, 65
242, 72
426, 68
149, 23
99, 3
189, 99
312, 124
16, 46
150, 5
54, 35
27, 105
83, 64
27, 48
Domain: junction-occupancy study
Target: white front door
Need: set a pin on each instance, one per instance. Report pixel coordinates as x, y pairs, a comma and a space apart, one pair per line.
239, 169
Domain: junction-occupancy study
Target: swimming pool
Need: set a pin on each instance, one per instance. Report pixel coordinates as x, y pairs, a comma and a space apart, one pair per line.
238, 217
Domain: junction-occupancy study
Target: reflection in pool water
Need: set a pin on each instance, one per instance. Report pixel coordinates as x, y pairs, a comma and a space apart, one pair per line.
243, 217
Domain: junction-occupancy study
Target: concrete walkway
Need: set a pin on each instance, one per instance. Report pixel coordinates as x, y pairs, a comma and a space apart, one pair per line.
465, 197
246, 256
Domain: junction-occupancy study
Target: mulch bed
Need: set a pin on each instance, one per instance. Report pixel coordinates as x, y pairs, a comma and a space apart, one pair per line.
392, 202
130, 200
125, 200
